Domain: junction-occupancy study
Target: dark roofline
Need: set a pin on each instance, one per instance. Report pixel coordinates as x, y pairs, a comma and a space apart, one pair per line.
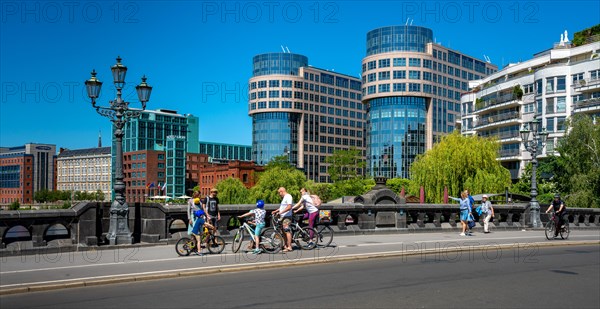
86, 151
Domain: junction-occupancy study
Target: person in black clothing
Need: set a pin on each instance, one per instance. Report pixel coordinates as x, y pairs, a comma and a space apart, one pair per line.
559, 208
210, 204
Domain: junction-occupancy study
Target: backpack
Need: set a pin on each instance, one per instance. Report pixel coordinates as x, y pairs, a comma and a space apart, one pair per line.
316, 200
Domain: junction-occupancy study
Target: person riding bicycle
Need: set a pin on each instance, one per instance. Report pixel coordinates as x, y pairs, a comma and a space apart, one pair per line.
312, 212
560, 210
259, 219
198, 229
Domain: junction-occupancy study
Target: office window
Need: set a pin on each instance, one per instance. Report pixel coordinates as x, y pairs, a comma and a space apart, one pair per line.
414, 62
414, 74
561, 105
399, 74
384, 75
399, 62
550, 85
384, 88
384, 63
560, 83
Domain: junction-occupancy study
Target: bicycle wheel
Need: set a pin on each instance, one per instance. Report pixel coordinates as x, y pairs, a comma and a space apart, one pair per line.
184, 246
236, 244
216, 244
550, 230
564, 232
303, 240
271, 241
325, 235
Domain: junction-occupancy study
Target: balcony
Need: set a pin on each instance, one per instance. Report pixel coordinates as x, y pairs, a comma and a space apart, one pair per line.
505, 153
504, 118
495, 102
503, 135
591, 105
587, 85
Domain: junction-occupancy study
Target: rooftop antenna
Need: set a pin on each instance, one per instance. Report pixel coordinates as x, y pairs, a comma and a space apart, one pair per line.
288, 50
487, 59
406, 24
282, 48
411, 21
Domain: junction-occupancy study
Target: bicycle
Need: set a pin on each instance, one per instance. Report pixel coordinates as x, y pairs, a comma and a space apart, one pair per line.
300, 235
324, 233
186, 245
551, 225
270, 240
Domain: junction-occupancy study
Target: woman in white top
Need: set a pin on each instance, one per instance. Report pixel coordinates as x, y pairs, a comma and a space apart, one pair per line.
312, 212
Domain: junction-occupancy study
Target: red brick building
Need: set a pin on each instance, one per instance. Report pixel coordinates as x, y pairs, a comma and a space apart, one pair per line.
205, 174
144, 174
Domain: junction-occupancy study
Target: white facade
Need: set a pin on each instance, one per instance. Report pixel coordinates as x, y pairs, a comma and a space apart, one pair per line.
556, 84
85, 170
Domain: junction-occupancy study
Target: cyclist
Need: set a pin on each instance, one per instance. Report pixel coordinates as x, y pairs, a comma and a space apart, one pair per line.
259, 219
285, 215
198, 229
193, 205
559, 208
312, 212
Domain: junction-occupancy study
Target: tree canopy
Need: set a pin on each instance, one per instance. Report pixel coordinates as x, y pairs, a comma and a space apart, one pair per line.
232, 191
459, 162
345, 164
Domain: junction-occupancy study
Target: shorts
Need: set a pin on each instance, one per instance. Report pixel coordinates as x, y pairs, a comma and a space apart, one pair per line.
197, 230
464, 215
258, 229
213, 221
286, 222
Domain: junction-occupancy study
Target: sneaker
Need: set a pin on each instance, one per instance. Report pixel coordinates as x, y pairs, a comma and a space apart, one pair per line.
310, 244
257, 251
463, 234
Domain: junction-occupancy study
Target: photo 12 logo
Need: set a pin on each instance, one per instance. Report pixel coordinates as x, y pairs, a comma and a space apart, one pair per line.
269, 11
469, 11
68, 12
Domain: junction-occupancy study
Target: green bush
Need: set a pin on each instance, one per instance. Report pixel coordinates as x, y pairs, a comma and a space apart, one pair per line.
14, 205
66, 205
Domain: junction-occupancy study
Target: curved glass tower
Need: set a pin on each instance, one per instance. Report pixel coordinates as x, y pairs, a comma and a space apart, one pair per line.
275, 134
412, 88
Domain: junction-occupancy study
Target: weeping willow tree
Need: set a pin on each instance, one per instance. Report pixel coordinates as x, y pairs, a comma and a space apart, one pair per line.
459, 162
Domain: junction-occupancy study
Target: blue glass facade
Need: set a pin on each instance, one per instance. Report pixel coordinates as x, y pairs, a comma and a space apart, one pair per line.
398, 38
278, 63
396, 135
275, 134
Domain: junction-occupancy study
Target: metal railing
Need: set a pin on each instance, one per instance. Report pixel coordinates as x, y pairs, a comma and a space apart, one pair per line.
497, 118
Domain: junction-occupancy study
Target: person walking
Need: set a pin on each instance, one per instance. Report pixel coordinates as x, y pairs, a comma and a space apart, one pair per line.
487, 211
210, 205
285, 216
464, 210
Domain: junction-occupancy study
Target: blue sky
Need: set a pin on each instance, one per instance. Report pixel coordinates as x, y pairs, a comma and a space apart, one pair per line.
197, 54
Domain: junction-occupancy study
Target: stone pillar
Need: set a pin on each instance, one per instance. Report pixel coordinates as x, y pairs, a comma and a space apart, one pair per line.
366, 221
401, 219
437, 218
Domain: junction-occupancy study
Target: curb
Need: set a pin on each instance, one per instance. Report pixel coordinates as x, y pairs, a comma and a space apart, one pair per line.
171, 274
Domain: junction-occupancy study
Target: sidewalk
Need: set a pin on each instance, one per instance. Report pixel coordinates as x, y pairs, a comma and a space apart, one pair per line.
123, 264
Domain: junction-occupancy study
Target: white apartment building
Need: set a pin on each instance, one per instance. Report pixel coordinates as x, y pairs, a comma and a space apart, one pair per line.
555, 84
85, 170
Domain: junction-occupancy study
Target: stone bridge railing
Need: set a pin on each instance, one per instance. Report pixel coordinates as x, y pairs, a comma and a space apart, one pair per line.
86, 224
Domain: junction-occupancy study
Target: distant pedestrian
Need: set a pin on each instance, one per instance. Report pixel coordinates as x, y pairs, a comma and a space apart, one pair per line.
464, 210
487, 211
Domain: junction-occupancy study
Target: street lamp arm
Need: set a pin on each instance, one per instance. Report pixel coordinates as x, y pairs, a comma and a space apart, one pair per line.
106, 112
132, 114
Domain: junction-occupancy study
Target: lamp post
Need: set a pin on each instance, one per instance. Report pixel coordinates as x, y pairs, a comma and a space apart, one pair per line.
534, 146
119, 113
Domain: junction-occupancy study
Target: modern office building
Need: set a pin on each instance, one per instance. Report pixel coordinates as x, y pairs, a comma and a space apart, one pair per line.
412, 88
554, 84
303, 112
226, 152
86, 170
155, 133
25, 170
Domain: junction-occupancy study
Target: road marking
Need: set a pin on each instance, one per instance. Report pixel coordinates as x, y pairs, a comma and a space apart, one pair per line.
466, 241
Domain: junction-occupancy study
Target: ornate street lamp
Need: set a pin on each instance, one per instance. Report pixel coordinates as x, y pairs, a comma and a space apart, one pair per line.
119, 113
531, 130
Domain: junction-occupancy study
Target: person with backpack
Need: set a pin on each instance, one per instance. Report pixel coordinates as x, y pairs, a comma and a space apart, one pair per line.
312, 212
210, 205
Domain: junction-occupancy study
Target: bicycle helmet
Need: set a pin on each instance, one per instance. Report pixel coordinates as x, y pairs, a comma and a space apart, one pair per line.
260, 204
197, 201
557, 195
199, 213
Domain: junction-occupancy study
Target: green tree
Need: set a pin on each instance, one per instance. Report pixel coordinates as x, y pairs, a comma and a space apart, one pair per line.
580, 162
345, 164
99, 195
546, 185
396, 185
15, 205
351, 187
274, 177
232, 191
41, 196
459, 162
323, 190
281, 161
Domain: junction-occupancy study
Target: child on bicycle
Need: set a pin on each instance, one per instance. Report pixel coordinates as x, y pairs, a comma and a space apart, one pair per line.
198, 228
259, 219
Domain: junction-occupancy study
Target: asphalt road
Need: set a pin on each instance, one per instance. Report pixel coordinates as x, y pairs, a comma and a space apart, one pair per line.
75, 268
546, 277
